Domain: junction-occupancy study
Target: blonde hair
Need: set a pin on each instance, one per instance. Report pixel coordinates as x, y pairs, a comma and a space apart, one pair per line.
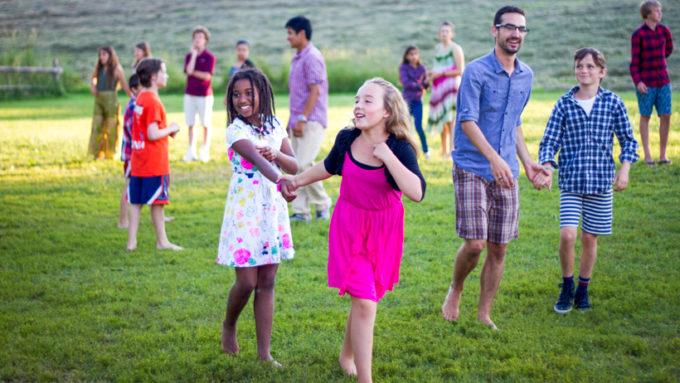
647, 6
399, 120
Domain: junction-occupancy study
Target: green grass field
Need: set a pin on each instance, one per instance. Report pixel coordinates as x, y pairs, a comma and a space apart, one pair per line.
74, 306
359, 38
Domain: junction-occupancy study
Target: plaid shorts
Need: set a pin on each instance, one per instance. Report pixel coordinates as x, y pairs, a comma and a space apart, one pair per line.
485, 210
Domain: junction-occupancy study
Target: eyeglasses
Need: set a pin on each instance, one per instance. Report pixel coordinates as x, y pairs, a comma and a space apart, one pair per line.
512, 27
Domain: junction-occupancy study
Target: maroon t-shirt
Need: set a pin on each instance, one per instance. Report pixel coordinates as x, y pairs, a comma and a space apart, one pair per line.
205, 62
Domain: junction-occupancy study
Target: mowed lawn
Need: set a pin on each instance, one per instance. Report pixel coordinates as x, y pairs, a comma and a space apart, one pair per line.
74, 306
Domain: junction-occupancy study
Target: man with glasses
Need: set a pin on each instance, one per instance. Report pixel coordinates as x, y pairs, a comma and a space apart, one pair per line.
488, 139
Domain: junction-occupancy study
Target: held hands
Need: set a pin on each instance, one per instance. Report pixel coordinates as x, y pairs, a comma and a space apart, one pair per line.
542, 180
267, 152
287, 187
539, 175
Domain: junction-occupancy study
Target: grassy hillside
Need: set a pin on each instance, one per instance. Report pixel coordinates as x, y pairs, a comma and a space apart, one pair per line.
359, 38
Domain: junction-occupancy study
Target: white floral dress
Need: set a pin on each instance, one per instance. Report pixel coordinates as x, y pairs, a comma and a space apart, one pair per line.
255, 229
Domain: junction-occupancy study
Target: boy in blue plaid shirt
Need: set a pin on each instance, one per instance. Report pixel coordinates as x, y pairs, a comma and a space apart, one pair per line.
582, 127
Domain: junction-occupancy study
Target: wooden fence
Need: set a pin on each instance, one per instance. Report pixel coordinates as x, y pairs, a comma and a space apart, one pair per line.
55, 69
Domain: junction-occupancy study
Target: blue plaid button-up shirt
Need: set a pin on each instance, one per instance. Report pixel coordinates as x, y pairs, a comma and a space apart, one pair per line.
585, 143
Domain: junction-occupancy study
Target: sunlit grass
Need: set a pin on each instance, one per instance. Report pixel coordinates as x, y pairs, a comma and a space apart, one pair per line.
74, 306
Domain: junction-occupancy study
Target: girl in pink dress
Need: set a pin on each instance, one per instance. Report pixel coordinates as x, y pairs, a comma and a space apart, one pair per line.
377, 160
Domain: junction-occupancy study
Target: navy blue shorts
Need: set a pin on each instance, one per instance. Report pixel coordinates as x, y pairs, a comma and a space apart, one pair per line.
149, 190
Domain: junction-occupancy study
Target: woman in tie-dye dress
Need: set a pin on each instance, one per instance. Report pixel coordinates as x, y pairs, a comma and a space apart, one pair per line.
445, 77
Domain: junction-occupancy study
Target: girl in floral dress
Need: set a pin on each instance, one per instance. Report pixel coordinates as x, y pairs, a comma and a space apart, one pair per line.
255, 235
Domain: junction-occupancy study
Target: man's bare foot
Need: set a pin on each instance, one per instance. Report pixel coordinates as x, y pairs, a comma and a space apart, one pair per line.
169, 246
450, 306
229, 342
169, 219
122, 225
348, 365
131, 246
487, 322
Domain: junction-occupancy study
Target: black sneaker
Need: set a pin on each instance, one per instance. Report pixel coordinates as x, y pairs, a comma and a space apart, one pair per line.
563, 304
581, 301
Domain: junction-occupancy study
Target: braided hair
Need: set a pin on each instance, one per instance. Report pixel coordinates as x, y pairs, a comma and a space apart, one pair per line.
259, 81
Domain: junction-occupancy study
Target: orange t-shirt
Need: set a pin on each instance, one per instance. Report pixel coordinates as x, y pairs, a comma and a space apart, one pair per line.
149, 158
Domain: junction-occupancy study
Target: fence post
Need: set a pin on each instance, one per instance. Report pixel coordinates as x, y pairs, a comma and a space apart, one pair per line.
55, 64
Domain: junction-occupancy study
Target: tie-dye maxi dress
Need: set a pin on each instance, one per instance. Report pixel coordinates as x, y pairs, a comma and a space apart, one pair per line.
444, 90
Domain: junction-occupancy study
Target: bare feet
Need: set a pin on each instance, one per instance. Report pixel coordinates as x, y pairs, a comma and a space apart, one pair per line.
272, 362
122, 225
487, 322
348, 365
169, 219
229, 342
450, 306
131, 246
169, 246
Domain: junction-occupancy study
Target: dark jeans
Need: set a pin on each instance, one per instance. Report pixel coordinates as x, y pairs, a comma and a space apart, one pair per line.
416, 109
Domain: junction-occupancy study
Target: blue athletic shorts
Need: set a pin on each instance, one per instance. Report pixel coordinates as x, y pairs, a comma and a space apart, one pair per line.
596, 210
149, 190
659, 97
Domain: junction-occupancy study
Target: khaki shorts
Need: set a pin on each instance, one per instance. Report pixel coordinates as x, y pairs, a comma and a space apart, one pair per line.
485, 210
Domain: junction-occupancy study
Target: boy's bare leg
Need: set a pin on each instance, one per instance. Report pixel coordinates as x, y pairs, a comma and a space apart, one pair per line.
588, 254
664, 127
157, 217
123, 221
467, 258
135, 211
644, 137
568, 235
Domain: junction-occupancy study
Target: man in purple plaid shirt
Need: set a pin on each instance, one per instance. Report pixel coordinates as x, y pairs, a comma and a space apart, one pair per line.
651, 44
308, 87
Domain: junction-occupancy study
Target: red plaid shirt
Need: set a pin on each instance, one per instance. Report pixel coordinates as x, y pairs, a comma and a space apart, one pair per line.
649, 49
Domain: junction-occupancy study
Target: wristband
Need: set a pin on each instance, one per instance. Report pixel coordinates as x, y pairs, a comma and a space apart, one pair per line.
302, 118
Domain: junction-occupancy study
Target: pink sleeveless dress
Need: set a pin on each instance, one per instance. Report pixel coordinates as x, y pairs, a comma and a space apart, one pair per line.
366, 233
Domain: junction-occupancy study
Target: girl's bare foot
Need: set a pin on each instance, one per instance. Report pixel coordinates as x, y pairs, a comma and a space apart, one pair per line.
450, 306
123, 225
131, 246
487, 322
348, 365
169, 246
229, 342
169, 219
272, 362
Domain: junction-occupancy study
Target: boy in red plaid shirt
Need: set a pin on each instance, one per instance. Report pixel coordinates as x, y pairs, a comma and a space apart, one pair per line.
651, 44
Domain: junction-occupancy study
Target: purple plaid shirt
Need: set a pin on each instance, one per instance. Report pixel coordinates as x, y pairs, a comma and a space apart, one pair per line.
414, 81
649, 49
126, 144
308, 68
